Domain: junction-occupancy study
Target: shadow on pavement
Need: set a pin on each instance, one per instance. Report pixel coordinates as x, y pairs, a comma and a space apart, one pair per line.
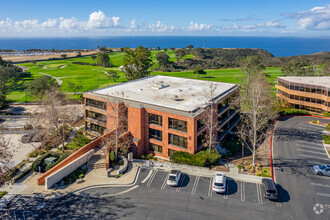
185, 181
283, 195
232, 186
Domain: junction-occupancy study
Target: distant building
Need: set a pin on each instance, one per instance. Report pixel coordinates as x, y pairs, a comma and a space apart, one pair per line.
308, 93
162, 113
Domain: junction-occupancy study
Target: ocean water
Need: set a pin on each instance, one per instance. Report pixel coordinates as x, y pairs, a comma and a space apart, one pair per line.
278, 46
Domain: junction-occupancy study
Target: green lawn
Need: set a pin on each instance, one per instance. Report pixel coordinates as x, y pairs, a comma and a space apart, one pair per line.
93, 77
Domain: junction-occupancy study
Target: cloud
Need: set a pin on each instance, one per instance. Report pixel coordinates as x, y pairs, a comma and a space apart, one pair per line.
97, 21
252, 18
100, 20
259, 26
194, 26
161, 27
317, 18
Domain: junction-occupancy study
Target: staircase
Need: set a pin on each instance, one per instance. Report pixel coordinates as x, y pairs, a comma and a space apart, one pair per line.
97, 161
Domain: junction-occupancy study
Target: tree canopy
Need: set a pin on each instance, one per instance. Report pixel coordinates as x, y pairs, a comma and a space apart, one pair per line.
103, 59
199, 71
39, 86
297, 68
137, 63
163, 59
180, 53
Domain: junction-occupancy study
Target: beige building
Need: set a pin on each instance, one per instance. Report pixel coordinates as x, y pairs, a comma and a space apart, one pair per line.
308, 93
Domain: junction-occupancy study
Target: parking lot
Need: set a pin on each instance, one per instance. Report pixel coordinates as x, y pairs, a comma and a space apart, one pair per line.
199, 186
314, 153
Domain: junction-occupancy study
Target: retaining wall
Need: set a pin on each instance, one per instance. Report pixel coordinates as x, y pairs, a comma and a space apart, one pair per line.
68, 169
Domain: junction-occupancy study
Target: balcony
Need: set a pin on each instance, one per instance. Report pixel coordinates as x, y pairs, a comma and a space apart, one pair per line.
304, 94
304, 103
223, 109
224, 121
94, 109
98, 121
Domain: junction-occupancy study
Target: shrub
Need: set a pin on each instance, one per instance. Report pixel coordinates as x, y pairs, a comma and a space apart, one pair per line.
112, 156
40, 161
72, 177
78, 141
202, 158
240, 167
326, 139
2, 193
41, 152
62, 157
83, 63
265, 172
327, 128
33, 154
326, 114
22, 174
232, 144
293, 111
149, 156
155, 158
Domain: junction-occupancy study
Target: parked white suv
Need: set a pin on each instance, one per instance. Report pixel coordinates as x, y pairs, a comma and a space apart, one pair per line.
219, 182
322, 169
174, 178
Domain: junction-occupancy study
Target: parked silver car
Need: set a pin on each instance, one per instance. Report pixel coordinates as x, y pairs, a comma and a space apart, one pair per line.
322, 169
174, 178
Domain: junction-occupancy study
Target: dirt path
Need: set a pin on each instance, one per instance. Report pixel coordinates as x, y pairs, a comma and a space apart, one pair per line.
58, 79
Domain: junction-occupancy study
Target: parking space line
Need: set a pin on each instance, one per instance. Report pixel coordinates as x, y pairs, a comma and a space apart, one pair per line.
323, 194
210, 188
193, 190
181, 182
242, 192
225, 196
317, 176
313, 152
259, 193
316, 148
278, 204
319, 184
164, 183
151, 178
311, 143
318, 158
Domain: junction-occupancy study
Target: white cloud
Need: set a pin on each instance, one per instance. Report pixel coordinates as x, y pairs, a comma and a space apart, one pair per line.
256, 27
317, 18
161, 27
26, 25
50, 23
100, 20
194, 26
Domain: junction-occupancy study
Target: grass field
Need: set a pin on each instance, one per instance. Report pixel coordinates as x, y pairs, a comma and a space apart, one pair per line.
93, 77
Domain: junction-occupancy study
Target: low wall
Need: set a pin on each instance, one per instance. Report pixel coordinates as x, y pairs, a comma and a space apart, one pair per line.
68, 169
72, 157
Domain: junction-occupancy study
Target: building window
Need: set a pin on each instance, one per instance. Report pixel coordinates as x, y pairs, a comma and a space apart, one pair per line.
200, 125
201, 139
155, 134
96, 116
177, 124
155, 119
170, 152
155, 147
96, 128
96, 104
177, 140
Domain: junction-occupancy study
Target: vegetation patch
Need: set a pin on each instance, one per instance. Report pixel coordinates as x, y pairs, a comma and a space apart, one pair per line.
40, 162
78, 141
202, 158
22, 174
326, 114
77, 174
326, 139
293, 111
2, 193
232, 144
327, 127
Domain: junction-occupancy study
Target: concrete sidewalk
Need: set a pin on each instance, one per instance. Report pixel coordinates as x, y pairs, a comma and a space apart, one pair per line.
203, 171
93, 179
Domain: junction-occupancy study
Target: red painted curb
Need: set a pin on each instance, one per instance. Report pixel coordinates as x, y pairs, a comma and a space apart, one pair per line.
271, 137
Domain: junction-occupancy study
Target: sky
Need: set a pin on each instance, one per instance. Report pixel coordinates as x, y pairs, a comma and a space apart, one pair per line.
67, 18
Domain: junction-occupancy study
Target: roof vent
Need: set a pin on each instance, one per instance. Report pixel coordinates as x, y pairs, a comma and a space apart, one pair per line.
159, 85
177, 99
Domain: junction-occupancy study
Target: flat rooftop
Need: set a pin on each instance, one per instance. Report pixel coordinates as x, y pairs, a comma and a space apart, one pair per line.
165, 91
310, 80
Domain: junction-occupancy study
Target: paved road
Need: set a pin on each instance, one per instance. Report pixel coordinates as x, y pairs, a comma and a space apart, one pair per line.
297, 146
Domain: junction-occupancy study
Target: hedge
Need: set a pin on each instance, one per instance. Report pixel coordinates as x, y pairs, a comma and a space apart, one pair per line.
22, 174
326, 114
40, 161
293, 111
202, 158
